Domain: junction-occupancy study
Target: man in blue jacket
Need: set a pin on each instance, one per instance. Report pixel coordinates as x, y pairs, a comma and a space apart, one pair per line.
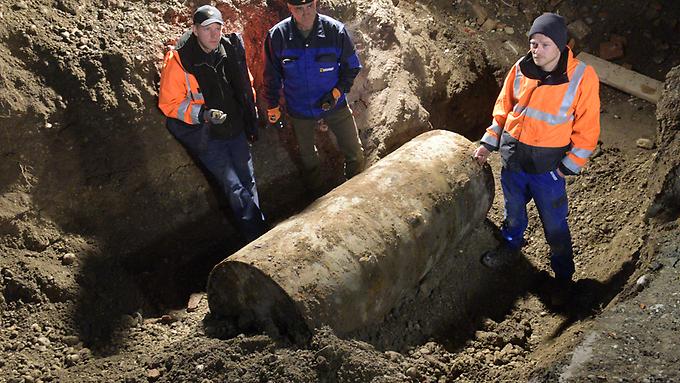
312, 57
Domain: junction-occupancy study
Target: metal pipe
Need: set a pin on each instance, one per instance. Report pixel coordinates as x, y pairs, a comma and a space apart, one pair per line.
352, 255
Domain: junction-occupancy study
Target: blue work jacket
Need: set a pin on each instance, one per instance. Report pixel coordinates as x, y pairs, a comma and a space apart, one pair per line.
308, 68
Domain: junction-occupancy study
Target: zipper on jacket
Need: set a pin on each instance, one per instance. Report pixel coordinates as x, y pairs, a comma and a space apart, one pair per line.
214, 69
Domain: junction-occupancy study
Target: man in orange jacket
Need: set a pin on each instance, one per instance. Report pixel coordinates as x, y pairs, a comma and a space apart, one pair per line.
206, 94
546, 123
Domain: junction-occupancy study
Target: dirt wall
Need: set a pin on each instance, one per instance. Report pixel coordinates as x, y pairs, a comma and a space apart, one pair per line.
90, 177
102, 208
665, 187
86, 146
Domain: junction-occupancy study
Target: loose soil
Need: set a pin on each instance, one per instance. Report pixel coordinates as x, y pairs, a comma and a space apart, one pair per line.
107, 227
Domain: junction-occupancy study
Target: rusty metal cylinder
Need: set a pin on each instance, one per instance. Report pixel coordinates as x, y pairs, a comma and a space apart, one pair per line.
351, 256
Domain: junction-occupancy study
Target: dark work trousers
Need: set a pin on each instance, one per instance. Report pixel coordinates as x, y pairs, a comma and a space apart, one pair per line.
548, 190
341, 122
229, 161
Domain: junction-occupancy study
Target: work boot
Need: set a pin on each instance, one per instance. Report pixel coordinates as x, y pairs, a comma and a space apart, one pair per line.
562, 291
499, 257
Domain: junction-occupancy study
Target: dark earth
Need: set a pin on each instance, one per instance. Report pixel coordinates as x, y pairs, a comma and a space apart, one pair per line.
108, 228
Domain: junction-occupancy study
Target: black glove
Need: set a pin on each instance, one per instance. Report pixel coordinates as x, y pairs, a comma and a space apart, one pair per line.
330, 99
214, 116
327, 102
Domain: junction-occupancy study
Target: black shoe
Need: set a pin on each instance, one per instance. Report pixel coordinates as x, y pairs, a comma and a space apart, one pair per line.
500, 257
562, 292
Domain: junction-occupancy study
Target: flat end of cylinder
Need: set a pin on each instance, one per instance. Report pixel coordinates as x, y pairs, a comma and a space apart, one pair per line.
250, 301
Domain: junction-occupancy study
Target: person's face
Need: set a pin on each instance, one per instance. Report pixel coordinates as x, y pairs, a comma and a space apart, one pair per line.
304, 14
544, 51
208, 36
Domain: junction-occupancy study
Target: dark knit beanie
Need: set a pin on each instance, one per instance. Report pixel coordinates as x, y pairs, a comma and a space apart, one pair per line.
553, 26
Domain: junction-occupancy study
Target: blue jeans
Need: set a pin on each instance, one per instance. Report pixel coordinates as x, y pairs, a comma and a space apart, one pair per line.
229, 161
548, 190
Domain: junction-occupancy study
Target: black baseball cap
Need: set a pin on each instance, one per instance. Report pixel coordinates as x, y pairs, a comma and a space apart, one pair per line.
206, 15
299, 2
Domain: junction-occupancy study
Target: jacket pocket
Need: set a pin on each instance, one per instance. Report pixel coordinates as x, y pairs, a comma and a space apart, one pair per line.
327, 58
289, 64
327, 62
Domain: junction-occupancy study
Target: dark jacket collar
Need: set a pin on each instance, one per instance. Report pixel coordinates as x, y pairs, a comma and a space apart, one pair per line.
191, 53
556, 77
317, 28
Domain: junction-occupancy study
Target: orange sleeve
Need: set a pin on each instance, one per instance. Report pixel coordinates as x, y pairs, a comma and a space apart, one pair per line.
174, 99
505, 101
586, 127
503, 106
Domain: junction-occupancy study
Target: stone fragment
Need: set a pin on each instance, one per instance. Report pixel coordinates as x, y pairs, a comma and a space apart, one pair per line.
610, 50
644, 143
489, 337
70, 340
72, 359
579, 29
153, 374
642, 282
68, 259
85, 353
393, 356
412, 372
194, 300
489, 25
511, 46
43, 340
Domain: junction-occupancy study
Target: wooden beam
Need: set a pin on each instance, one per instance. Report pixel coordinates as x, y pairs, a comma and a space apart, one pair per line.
624, 79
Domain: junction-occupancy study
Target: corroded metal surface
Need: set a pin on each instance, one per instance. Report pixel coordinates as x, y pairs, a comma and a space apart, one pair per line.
348, 258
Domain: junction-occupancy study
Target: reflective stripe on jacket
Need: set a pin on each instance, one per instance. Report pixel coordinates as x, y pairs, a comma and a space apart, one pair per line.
179, 96
308, 68
540, 127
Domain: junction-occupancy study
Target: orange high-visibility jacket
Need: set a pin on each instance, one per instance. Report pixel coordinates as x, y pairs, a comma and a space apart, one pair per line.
179, 95
540, 127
